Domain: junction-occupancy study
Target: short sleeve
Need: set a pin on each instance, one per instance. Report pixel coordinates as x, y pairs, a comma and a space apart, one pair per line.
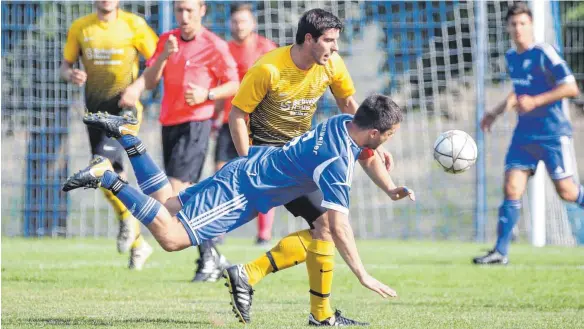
72, 47
254, 87
224, 67
342, 85
145, 39
556, 65
333, 178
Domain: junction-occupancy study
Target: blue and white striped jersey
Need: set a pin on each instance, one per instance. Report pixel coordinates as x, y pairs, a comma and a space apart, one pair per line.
535, 71
322, 158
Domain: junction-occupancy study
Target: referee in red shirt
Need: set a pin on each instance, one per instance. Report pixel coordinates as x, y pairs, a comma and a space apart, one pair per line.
198, 69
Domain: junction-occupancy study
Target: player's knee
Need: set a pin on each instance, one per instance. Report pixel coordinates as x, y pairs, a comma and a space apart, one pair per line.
321, 230
170, 246
567, 193
513, 190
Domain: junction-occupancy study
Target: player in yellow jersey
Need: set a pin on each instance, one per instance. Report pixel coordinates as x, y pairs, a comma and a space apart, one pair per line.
108, 43
279, 93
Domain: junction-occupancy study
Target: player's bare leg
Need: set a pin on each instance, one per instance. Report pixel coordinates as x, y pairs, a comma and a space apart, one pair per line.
567, 189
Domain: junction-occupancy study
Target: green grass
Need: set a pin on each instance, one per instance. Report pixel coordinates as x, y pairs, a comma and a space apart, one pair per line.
83, 283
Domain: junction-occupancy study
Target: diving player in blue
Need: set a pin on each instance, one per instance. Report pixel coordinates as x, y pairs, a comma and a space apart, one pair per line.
541, 79
322, 158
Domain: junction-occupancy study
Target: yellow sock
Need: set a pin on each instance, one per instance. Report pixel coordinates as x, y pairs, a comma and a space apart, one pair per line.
289, 251
320, 261
119, 208
139, 238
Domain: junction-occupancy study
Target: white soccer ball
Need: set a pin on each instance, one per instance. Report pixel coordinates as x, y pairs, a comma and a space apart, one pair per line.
455, 151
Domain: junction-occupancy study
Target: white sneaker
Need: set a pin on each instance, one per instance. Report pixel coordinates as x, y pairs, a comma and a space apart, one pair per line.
138, 256
126, 235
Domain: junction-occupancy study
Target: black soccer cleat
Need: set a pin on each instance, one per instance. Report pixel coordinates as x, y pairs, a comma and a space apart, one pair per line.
241, 292
210, 266
492, 257
337, 320
89, 177
113, 125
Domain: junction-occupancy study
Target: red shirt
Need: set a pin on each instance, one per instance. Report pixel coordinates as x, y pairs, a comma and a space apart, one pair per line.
245, 56
204, 61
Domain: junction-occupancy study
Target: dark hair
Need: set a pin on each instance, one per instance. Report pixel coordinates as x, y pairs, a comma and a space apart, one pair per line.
316, 22
240, 6
518, 8
378, 112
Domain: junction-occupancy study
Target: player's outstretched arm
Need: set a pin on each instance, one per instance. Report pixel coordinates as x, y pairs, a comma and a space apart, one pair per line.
238, 129
507, 104
376, 170
344, 239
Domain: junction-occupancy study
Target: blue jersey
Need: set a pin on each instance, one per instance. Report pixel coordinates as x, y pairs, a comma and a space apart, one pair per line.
535, 71
322, 158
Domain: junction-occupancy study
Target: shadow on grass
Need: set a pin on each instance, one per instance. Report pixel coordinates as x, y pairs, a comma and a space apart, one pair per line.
104, 322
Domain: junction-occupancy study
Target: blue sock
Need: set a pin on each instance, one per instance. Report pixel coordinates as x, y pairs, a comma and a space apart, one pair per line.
580, 200
150, 178
143, 207
508, 216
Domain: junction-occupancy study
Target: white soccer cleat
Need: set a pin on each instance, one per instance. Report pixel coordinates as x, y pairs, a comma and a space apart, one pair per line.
127, 234
138, 256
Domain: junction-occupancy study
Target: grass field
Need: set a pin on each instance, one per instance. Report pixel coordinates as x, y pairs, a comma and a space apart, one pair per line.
83, 283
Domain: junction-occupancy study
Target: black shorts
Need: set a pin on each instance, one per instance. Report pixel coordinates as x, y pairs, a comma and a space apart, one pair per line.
109, 147
184, 147
225, 149
307, 206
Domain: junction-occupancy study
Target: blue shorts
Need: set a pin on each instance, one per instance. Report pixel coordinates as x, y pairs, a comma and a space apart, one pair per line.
216, 205
555, 153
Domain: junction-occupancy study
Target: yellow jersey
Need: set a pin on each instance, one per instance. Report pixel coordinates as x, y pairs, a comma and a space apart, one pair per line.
281, 98
109, 52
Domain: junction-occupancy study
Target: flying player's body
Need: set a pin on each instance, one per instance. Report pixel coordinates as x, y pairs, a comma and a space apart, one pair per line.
322, 159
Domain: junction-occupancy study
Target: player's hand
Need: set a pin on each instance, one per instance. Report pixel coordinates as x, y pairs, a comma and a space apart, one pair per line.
386, 158
487, 121
170, 46
526, 103
78, 77
129, 97
384, 291
196, 95
401, 192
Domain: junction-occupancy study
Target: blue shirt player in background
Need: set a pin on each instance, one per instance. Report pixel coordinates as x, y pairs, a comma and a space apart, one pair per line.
541, 79
322, 158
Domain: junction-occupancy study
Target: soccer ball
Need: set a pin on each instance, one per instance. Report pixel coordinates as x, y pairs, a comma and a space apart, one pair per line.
455, 151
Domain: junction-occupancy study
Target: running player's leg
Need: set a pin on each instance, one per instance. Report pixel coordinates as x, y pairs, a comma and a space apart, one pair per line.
290, 250
520, 163
265, 223
315, 246
560, 162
